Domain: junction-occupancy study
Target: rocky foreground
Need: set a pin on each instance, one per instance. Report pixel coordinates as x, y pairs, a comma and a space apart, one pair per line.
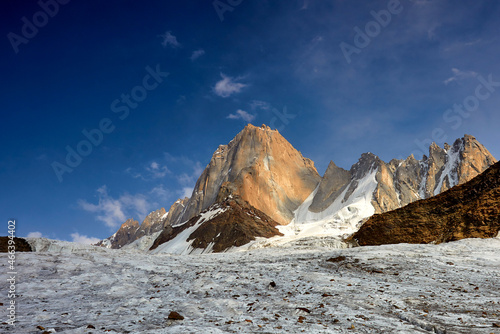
446, 288
470, 210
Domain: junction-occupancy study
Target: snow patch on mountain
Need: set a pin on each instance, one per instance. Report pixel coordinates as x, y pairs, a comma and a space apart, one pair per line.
450, 169
341, 218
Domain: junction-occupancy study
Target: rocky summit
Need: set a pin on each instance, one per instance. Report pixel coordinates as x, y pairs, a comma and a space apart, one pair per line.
261, 167
470, 210
131, 230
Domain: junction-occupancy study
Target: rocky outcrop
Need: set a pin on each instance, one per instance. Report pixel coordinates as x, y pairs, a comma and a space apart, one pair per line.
230, 222
469, 210
175, 211
262, 168
131, 230
20, 244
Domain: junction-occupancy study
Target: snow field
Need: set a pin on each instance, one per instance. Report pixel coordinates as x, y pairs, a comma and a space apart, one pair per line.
450, 288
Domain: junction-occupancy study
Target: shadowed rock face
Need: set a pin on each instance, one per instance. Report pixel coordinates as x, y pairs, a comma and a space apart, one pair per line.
331, 186
470, 210
21, 245
262, 168
236, 225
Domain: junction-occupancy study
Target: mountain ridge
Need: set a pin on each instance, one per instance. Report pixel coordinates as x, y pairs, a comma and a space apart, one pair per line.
469, 210
267, 174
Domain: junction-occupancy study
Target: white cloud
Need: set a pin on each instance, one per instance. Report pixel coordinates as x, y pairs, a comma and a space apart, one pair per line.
197, 54
113, 212
169, 40
460, 75
228, 86
35, 235
186, 192
83, 239
241, 114
133, 173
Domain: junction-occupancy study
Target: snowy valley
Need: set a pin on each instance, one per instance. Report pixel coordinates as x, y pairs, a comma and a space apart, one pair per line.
446, 288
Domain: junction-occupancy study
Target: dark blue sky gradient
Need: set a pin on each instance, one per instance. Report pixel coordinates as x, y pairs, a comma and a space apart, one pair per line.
284, 53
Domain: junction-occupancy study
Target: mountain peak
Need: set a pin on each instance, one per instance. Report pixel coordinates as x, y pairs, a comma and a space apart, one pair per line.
264, 127
259, 164
130, 223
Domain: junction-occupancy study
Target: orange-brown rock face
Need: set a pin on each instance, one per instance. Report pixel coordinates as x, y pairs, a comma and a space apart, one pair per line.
262, 168
470, 210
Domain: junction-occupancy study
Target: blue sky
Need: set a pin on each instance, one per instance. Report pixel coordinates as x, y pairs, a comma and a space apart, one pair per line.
166, 82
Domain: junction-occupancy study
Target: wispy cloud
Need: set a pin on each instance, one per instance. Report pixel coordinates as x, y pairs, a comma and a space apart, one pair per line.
161, 193
197, 54
157, 171
305, 5
241, 114
83, 239
228, 86
34, 235
189, 179
151, 172
257, 104
460, 75
186, 192
114, 211
169, 40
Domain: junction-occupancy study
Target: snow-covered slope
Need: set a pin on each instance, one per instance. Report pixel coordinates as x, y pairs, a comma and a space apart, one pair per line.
180, 244
143, 244
447, 288
341, 218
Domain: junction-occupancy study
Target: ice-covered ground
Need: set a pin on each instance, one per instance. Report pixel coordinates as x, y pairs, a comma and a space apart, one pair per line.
448, 288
